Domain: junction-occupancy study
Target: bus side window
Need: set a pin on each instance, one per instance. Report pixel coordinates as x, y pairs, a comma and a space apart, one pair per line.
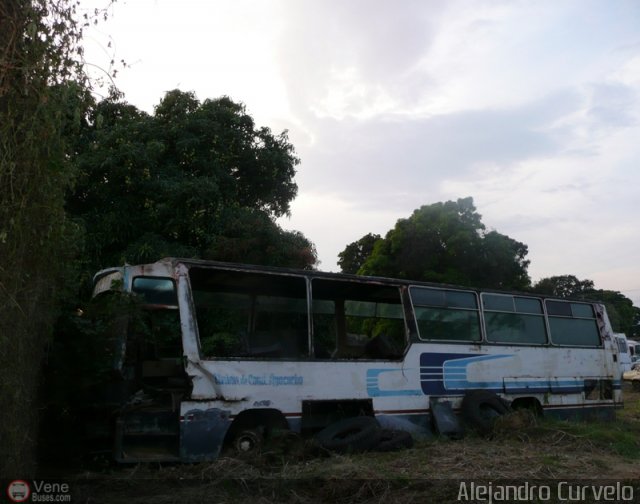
249, 314
444, 314
572, 323
357, 320
514, 319
324, 328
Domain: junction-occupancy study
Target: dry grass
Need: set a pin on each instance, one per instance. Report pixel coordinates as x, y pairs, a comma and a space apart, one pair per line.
522, 449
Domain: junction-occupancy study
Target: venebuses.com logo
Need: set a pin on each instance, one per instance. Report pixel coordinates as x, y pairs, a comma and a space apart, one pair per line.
18, 491
38, 491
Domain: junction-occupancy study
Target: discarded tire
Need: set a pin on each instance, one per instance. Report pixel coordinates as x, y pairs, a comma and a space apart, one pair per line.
353, 435
392, 440
480, 408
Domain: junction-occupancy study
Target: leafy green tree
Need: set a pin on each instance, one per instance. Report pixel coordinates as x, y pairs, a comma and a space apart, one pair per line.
195, 179
563, 286
355, 254
622, 313
502, 264
620, 309
635, 330
250, 236
447, 242
41, 85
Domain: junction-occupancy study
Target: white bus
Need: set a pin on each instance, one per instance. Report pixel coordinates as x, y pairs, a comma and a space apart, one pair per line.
229, 353
625, 350
634, 350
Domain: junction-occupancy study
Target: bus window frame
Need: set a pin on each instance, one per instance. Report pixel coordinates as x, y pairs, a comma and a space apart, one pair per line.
156, 305
570, 301
478, 311
193, 309
402, 292
542, 314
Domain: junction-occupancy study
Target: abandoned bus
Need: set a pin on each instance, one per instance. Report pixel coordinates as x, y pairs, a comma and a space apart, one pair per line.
227, 353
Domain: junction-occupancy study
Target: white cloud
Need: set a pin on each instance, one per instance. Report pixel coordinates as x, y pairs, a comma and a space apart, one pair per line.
576, 212
338, 221
532, 108
213, 48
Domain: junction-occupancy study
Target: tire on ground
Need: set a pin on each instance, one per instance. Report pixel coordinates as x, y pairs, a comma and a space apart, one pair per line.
392, 440
480, 409
355, 434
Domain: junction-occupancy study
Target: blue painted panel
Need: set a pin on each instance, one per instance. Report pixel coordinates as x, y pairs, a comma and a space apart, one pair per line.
202, 433
446, 373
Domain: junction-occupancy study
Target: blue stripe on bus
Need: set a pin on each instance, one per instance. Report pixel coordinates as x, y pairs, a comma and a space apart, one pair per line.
373, 384
446, 374
449, 373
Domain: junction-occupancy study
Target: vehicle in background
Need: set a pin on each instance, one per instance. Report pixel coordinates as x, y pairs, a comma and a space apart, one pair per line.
634, 353
624, 355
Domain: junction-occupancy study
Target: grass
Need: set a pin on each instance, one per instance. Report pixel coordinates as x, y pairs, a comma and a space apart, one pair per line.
620, 437
522, 449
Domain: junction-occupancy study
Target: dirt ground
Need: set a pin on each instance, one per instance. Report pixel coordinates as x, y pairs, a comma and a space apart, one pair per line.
522, 450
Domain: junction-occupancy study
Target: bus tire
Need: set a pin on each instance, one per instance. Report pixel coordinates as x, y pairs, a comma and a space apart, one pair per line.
355, 434
248, 442
392, 440
480, 408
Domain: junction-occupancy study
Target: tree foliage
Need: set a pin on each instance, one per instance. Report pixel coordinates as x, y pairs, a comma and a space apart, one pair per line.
40, 76
355, 254
620, 309
564, 286
623, 315
195, 179
447, 242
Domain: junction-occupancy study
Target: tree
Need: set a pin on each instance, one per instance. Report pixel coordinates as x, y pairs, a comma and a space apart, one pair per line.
250, 236
563, 286
622, 314
447, 242
41, 76
195, 179
620, 309
503, 264
355, 254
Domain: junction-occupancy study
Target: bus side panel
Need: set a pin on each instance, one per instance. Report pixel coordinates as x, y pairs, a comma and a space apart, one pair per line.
558, 378
203, 428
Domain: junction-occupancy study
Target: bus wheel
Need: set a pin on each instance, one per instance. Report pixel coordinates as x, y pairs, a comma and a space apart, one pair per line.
480, 408
355, 434
248, 441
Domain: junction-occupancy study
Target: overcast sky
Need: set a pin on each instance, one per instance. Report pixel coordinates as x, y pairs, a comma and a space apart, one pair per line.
531, 108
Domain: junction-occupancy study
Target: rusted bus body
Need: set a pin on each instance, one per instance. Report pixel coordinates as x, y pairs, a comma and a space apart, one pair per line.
231, 349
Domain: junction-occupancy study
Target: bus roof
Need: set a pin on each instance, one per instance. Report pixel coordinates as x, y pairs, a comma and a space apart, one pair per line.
205, 263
